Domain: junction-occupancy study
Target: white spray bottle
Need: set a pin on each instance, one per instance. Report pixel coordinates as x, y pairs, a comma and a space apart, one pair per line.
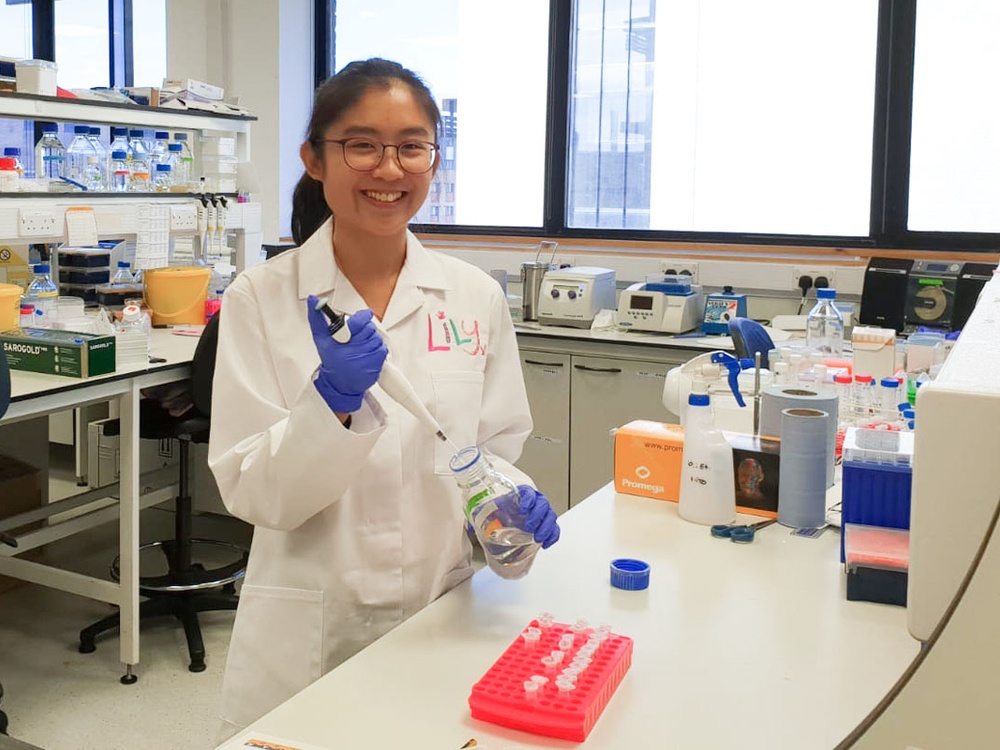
708, 490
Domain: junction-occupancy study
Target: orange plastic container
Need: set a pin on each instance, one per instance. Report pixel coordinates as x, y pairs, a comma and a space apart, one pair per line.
176, 295
10, 306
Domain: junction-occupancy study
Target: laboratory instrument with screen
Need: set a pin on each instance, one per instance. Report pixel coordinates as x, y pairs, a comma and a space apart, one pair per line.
573, 296
663, 303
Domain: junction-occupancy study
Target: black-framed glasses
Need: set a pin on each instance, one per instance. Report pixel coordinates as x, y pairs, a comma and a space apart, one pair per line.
364, 154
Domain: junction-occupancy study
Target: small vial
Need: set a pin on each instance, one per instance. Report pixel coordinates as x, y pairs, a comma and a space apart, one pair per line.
842, 382
546, 620
540, 679
531, 636
565, 686
27, 315
531, 689
580, 625
566, 642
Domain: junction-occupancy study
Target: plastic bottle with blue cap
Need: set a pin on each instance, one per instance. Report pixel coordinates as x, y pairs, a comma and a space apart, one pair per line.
708, 490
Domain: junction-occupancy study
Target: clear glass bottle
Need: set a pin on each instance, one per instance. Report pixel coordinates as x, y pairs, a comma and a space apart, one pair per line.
78, 155
164, 179
121, 175
492, 507
158, 154
50, 154
119, 140
103, 158
187, 158
708, 489
138, 156
44, 295
825, 324
178, 167
123, 275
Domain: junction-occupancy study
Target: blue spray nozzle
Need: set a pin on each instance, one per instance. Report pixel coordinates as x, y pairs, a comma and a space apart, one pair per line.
733, 366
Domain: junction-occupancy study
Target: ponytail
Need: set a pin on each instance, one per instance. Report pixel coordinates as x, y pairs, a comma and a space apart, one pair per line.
309, 209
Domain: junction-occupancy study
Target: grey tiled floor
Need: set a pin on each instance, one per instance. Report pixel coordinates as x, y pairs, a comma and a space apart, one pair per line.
59, 699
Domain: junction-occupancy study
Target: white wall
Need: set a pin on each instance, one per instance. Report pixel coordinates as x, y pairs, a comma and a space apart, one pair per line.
261, 52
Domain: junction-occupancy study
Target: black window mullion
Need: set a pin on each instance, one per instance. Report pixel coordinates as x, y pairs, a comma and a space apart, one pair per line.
893, 121
325, 39
43, 30
121, 60
557, 116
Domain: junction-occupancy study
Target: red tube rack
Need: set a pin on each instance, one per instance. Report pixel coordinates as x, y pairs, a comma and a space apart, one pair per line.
499, 696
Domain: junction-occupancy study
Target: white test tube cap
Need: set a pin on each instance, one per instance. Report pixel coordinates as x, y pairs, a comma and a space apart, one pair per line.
546, 619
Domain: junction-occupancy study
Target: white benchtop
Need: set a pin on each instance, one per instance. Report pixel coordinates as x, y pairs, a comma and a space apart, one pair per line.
616, 336
736, 646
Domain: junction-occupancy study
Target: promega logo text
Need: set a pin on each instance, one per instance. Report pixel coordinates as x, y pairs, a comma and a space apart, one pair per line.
656, 489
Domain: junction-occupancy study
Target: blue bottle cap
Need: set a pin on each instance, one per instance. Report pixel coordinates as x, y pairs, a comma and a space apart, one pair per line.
94, 131
180, 136
162, 167
119, 131
174, 147
50, 127
628, 574
81, 129
41, 268
123, 264
161, 135
889, 382
826, 293
12, 151
698, 399
135, 134
118, 155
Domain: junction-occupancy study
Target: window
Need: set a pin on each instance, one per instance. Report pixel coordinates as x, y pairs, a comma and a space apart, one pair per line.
722, 116
15, 20
955, 146
494, 154
149, 26
82, 40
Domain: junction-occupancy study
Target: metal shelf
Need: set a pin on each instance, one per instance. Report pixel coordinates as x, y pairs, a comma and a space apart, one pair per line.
59, 109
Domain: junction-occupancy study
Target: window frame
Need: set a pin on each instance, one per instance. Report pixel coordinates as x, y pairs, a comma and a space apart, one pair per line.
891, 133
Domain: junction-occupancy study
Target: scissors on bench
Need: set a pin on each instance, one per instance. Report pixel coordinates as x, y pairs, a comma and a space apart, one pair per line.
739, 533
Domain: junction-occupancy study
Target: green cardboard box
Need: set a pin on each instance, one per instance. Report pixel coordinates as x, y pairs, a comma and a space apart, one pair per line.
52, 352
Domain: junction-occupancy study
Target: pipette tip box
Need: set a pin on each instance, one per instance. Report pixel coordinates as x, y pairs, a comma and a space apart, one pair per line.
500, 696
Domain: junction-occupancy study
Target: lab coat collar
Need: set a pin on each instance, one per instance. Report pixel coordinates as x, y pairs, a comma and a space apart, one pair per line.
319, 275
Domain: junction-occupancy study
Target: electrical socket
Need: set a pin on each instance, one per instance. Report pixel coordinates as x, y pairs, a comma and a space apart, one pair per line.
814, 272
183, 217
680, 266
39, 222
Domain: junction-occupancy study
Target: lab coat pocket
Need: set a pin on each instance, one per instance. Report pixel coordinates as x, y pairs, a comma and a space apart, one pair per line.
458, 398
276, 650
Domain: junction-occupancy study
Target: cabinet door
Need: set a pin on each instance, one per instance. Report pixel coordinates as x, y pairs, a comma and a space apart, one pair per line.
546, 451
607, 393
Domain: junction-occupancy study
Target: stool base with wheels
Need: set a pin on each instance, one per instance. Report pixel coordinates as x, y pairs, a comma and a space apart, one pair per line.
187, 587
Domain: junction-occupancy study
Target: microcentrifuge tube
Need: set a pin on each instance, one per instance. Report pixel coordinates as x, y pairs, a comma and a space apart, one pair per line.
580, 625
566, 642
546, 619
531, 688
540, 679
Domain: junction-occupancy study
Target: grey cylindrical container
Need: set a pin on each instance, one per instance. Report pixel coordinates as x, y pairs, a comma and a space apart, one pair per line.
802, 472
532, 274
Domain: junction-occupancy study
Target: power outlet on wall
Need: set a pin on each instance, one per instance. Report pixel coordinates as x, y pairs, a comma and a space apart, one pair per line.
814, 272
183, 216
38, 222
680, 266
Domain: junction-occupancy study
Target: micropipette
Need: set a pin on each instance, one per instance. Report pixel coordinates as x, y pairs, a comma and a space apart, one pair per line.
392, 380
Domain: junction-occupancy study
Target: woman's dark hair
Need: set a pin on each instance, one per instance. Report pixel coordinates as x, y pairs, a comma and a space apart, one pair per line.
333, 98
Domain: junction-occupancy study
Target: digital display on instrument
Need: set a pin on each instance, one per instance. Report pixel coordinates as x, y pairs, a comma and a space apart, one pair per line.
939, 267
641, 303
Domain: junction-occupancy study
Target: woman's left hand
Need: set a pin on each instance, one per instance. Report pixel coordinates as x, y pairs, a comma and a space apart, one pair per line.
540, 518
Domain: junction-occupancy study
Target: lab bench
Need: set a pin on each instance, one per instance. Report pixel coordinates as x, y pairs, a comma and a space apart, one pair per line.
751, 646
581, 385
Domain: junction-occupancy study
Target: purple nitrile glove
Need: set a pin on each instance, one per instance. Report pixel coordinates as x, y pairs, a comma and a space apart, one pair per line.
346, 370
540, 519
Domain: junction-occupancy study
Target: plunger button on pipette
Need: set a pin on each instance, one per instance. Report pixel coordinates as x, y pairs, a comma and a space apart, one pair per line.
339, 329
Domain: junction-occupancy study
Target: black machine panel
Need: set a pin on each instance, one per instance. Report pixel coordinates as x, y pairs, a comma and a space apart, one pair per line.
883, 298
930, 298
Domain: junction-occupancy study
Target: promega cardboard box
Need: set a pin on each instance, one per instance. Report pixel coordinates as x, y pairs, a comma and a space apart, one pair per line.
649, 461
20, 491
76, 355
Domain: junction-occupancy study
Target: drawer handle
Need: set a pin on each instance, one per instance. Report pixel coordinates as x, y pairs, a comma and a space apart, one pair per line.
598, 369
542, 364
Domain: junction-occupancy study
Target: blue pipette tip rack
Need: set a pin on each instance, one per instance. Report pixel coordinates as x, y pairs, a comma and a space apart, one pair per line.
630, 575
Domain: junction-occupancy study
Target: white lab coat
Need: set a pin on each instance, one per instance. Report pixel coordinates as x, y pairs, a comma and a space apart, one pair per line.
356, 529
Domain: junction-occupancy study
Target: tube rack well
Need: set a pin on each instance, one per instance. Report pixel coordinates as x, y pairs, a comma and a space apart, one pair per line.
500, 696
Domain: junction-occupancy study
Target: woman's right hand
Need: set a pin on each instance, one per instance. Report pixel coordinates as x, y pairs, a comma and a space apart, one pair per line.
347, 370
